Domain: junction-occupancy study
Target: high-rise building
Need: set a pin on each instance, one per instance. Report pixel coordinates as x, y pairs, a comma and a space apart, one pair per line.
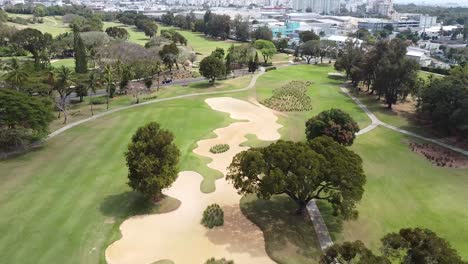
317, 6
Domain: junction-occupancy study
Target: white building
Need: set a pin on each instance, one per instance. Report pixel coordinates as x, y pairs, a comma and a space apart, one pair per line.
317, 6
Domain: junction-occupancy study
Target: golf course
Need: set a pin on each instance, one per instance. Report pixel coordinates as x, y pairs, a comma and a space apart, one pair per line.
69, 201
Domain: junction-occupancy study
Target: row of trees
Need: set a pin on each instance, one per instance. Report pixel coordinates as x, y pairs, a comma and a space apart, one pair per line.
383, 68
140, 21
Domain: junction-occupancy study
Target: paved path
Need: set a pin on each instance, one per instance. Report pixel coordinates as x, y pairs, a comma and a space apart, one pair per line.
376, 122
252, 83
320, 227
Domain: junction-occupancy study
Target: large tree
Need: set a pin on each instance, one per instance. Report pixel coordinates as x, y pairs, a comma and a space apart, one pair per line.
267, 48
320, 169
444, 101
351, 252
117, 33
36, 43
419, 246
334, 123
310, 50
349, 56
262, 32
308, 35
152, 160
169, 55
23, 118
395, 73
241, 28
212, 67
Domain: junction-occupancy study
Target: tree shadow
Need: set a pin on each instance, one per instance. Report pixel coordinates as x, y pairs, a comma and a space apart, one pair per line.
334, 223
284, 230
130, 203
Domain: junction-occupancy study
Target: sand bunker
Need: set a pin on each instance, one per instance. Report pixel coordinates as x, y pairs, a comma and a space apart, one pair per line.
178, 235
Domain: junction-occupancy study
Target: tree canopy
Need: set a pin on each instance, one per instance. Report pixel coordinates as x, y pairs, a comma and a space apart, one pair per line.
23, 118
419, 246
212, 67
320, 169
351, 252
262, 32
334, 123
267, 48
152, 160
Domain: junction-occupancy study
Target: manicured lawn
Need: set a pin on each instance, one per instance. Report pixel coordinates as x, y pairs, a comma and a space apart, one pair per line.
52, 24
82, 110
69, 63
200, 43
325, 94
64, 203
405, 190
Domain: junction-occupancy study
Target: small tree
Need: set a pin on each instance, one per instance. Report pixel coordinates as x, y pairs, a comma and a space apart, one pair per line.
213, 216
267, 48
152, 159
310, 50
62, 84
92, 84
321, 169
15, 75
212, 68
334, 123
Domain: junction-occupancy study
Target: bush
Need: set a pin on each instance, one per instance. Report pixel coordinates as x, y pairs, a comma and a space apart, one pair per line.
290, 97
213, 216
97, 100
219, 261
219, 148
267, 69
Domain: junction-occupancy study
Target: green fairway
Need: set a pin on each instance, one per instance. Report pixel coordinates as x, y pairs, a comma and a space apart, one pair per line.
405, 190
200, 43
135, 35
324, 92
52, 24
64, 202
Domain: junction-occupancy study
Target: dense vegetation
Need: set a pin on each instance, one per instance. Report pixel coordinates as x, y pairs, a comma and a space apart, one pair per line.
408, 246
219, 148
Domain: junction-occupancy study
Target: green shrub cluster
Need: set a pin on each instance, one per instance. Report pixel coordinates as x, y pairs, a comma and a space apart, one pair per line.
213, 216
97, 100
219, 261
290, 97
271, 68
219, 148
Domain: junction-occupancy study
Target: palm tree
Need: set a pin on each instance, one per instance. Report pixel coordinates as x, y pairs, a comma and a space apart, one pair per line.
16, 76
109, 81
62, 84
92, 84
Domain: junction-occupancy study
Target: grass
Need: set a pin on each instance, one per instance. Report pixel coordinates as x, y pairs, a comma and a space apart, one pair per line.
200, 43
289, 238
324, 92
64, 202
82, 110
405, 190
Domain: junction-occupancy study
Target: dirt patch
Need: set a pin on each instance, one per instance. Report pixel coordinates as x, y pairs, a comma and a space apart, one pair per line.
440, 156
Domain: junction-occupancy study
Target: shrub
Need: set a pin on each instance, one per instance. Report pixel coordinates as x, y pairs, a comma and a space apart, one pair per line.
213, 216
219, 148
290, 97
97, 100
271, 68
219, 261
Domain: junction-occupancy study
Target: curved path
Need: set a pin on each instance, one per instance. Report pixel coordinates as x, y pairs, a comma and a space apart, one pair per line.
178, 235
376, 122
